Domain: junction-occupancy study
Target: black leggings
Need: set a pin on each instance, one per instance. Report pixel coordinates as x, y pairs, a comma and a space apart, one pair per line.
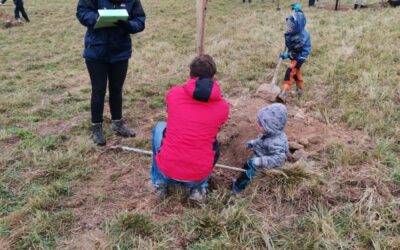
99, 73
19, 7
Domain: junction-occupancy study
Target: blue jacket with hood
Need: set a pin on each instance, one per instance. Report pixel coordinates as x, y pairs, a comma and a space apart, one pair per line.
112, 44
298, 40
271, 149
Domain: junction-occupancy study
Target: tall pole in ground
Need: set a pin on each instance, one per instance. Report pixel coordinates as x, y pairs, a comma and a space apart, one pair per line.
201, 18
337, 5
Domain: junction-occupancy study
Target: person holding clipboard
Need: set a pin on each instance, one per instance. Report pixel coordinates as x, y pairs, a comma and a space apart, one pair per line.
108, 47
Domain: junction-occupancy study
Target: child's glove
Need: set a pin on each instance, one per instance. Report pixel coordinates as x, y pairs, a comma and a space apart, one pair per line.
250, 144
296, 7
251, 170
284, 56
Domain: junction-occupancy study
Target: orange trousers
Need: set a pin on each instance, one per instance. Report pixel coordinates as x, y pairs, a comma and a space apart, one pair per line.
293, 73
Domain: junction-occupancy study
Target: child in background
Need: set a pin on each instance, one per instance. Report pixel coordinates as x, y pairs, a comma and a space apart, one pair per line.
19, 7
271, 149
298, 42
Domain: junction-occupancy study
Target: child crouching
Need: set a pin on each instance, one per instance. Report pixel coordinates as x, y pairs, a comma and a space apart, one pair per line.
271, 149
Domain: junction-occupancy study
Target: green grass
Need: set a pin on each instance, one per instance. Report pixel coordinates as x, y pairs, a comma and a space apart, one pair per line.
349, 201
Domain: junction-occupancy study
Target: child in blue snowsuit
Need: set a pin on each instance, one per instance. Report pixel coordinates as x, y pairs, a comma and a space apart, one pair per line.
298, 42
271, 149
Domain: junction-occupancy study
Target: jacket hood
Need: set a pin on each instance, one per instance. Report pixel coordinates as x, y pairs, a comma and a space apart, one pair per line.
273, 118
203, 89
297, 22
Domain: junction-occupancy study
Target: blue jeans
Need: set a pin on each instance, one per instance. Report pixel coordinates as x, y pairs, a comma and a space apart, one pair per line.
158, 179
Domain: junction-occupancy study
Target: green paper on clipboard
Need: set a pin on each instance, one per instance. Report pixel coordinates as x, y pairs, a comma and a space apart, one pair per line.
107, 18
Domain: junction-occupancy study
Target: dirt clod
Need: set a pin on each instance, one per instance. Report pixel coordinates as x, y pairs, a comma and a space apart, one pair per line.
299, 154
295, 146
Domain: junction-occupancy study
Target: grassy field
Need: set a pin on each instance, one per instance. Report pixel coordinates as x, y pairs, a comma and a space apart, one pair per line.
47, 159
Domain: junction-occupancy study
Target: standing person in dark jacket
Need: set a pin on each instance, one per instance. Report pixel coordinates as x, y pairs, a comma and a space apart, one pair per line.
107, 52
19, 7
298, 42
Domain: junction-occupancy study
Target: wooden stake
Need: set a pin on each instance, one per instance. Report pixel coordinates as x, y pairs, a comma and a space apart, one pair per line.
337, 5
149, 153
201, 17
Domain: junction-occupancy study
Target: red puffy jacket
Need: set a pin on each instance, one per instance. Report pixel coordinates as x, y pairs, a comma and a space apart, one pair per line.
196, 111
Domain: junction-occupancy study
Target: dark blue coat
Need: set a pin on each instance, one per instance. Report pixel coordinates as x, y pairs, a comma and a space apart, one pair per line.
112, 44
298, 40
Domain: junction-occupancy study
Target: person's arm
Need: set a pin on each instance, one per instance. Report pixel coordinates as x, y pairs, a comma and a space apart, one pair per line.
287, 40
87, 13
277, 159
137, 18
298, 43
252, 143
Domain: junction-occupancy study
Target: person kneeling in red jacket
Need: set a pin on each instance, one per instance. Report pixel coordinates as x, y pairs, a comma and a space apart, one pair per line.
185, 148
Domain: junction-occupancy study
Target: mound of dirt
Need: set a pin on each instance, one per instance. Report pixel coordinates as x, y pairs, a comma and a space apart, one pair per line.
307, 136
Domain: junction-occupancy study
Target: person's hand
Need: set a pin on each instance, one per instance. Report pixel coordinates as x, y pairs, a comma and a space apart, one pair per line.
251, 171
250, 144
284, 56
122, 24
296, 7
